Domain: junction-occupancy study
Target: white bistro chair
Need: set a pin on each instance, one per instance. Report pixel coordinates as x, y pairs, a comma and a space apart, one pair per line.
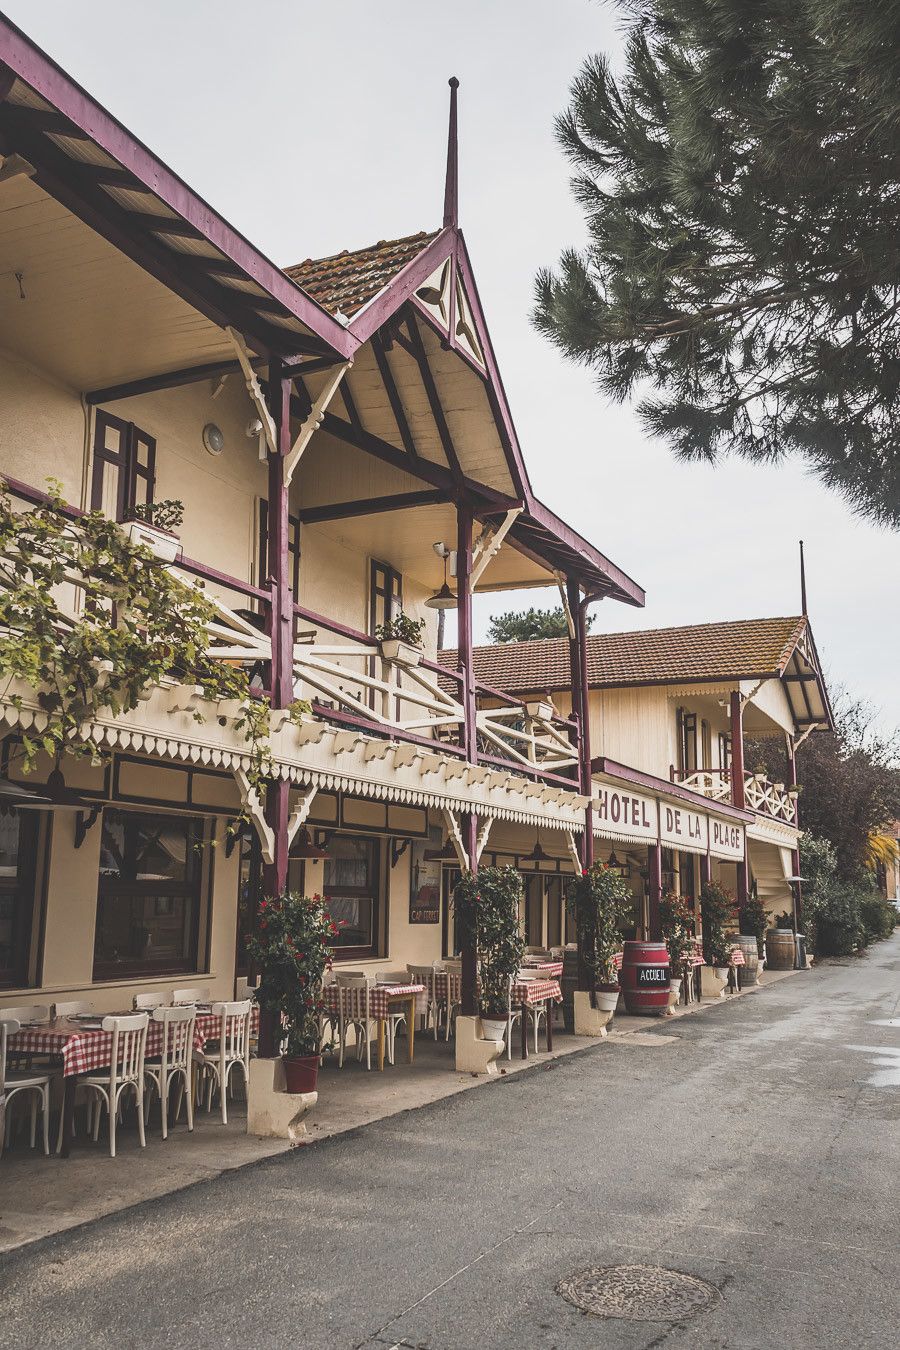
451, 979
77, 1005
25, 1013
427, 975
125, 1073
190, 996
174, 1064
12, 1084
232, 1052
355, 989
397, 1018
157, 998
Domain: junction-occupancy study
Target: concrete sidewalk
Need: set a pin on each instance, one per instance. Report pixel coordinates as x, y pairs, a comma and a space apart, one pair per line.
40, 1196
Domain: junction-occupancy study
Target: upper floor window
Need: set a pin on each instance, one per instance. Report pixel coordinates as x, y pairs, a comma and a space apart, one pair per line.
124, 470
724, 750
385, 593
687, 741
705, 745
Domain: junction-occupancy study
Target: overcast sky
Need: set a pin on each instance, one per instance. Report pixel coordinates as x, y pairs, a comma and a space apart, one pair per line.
317, 127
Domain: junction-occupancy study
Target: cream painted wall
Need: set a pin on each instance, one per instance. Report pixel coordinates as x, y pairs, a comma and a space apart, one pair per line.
41, 428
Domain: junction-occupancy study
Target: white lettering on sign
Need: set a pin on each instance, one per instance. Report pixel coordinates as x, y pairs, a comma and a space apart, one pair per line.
726, 839
625, 812
682, 827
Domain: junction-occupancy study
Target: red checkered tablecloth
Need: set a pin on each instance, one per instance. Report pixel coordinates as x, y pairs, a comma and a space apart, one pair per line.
83, 1049
535, 991
551, 969
737, 957
380, 996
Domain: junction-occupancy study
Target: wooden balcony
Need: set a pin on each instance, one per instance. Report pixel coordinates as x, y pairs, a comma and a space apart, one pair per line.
760, 794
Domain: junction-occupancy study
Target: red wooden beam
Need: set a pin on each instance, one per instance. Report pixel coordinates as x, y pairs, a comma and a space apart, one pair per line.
173, 379
393, 394
434, 402
370, 506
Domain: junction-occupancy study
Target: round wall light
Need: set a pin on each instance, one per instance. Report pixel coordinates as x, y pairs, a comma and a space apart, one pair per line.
213, 438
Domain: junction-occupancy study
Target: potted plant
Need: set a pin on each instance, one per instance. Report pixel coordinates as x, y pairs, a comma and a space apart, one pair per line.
717, 911
400, 639
677, 923
290, 948
155, 526
752, 921
487, 905
599, 901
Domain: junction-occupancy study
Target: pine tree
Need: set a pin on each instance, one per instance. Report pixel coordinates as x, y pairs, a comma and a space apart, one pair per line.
741, 182
530, 624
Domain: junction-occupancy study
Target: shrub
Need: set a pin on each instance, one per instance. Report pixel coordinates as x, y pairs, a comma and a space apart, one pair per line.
677, 923
290, 947
487, 906
599, 900
717, 910
836, 919
401, 628
877, 917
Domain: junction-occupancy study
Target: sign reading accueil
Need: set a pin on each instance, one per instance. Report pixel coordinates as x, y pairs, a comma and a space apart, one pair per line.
652, 977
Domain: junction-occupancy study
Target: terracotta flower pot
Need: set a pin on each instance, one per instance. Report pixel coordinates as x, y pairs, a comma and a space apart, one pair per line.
301, 1072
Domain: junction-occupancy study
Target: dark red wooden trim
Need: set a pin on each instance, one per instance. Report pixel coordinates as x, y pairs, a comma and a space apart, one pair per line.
468, 949
611, 768
282, 608
200, 569
173, 379
451, 185
57, 88
654, 891
378, 729
593, 559
402, 287
464, 627
738, 795
333, 626
431, 393
7, 80
371, 506
387, 379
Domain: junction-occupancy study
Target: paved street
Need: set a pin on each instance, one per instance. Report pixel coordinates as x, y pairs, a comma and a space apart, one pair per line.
755, 1146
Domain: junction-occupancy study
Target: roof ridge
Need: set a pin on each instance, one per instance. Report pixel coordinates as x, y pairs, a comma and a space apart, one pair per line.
797, 620
364, 248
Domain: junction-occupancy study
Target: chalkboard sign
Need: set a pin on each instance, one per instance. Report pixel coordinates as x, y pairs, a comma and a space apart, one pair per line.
652, 977
425, 881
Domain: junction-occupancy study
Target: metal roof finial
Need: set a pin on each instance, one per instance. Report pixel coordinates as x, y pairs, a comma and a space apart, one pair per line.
451, 186
803, 608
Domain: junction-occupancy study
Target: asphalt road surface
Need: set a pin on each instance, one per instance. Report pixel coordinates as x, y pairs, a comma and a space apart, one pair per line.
755, 1147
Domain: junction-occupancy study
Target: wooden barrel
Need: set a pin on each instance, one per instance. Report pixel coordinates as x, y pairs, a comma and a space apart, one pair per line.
644, 977
780, 949
749, 971
569, 983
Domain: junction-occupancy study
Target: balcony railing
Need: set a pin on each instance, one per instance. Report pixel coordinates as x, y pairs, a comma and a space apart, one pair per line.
760, 794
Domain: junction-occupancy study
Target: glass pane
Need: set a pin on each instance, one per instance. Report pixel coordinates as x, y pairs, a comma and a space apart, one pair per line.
353, 915
349, 864
9, 846
148, 849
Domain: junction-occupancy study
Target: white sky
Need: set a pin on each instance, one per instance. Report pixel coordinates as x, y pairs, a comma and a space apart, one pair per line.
317, 127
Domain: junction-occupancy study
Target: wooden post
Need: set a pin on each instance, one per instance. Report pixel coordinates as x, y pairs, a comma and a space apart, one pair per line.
654, 891
705, 870
469, 823
581, 708
738, 792
281, 631
796, 888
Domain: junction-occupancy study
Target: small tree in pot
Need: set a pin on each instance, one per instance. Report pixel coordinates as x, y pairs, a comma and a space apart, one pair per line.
717, 910
753, 920
487, 906
291, 949
599, 901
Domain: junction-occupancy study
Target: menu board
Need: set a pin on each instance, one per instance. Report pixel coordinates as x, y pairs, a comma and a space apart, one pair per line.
425, 880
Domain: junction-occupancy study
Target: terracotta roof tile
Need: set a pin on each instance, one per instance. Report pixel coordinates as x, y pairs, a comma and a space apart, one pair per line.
706, 652
347, 281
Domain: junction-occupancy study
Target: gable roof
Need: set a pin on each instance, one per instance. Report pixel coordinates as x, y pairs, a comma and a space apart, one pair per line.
699, 653
348, 280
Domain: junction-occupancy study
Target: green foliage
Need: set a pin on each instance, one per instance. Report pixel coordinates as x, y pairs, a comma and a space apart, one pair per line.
753, 919
717, 910
783, 920
739, 178
138, 624
487, 908
600, 902
839, 915
677, 924
877, 916
529, 625
401, 628
290, 947
165, 515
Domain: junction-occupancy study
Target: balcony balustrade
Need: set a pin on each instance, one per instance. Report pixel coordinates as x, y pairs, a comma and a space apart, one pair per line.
760, 794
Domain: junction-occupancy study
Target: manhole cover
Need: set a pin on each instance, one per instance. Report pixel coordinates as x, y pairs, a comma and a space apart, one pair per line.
645, 1293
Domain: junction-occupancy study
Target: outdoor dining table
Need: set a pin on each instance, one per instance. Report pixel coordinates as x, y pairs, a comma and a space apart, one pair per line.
382, 999
552, 970
84, 1047
523, 994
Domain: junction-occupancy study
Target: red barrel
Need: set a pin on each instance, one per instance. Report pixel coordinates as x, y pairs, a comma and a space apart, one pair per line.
644, 977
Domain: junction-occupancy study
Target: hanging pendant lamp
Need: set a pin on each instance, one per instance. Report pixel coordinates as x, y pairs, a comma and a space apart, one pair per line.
443, 598
303, 847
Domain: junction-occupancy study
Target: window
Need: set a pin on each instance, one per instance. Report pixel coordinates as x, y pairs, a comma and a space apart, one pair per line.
555, 912
353, 887
687, 741
124, 470
534, 906
724, 750
18, 849
385, 594
705, 745
450, 878
148, 902
262, 562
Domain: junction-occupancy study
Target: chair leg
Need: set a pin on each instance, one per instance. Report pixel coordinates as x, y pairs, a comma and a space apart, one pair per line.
113, 1115
223, 1092
190, 1107
45, 1101
142, 1133
32, 1129
164, 1085
97, 1104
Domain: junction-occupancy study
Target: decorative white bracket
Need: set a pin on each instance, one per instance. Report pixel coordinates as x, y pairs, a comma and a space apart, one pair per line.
253, 806
253, 388
487, 546
300, 812
456, 835
814, 726
573, 852
314, 418
483, 836
564, 597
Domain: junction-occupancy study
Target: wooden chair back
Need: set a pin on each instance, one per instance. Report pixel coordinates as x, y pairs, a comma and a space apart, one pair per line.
8, 1027
157, 998
129, 1045
188, 996
178, 1036
355, 990
27, 1012
76, 1005
234, 1029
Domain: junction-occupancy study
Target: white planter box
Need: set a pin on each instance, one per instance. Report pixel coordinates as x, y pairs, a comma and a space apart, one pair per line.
161, 543
543, 712
402, 653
